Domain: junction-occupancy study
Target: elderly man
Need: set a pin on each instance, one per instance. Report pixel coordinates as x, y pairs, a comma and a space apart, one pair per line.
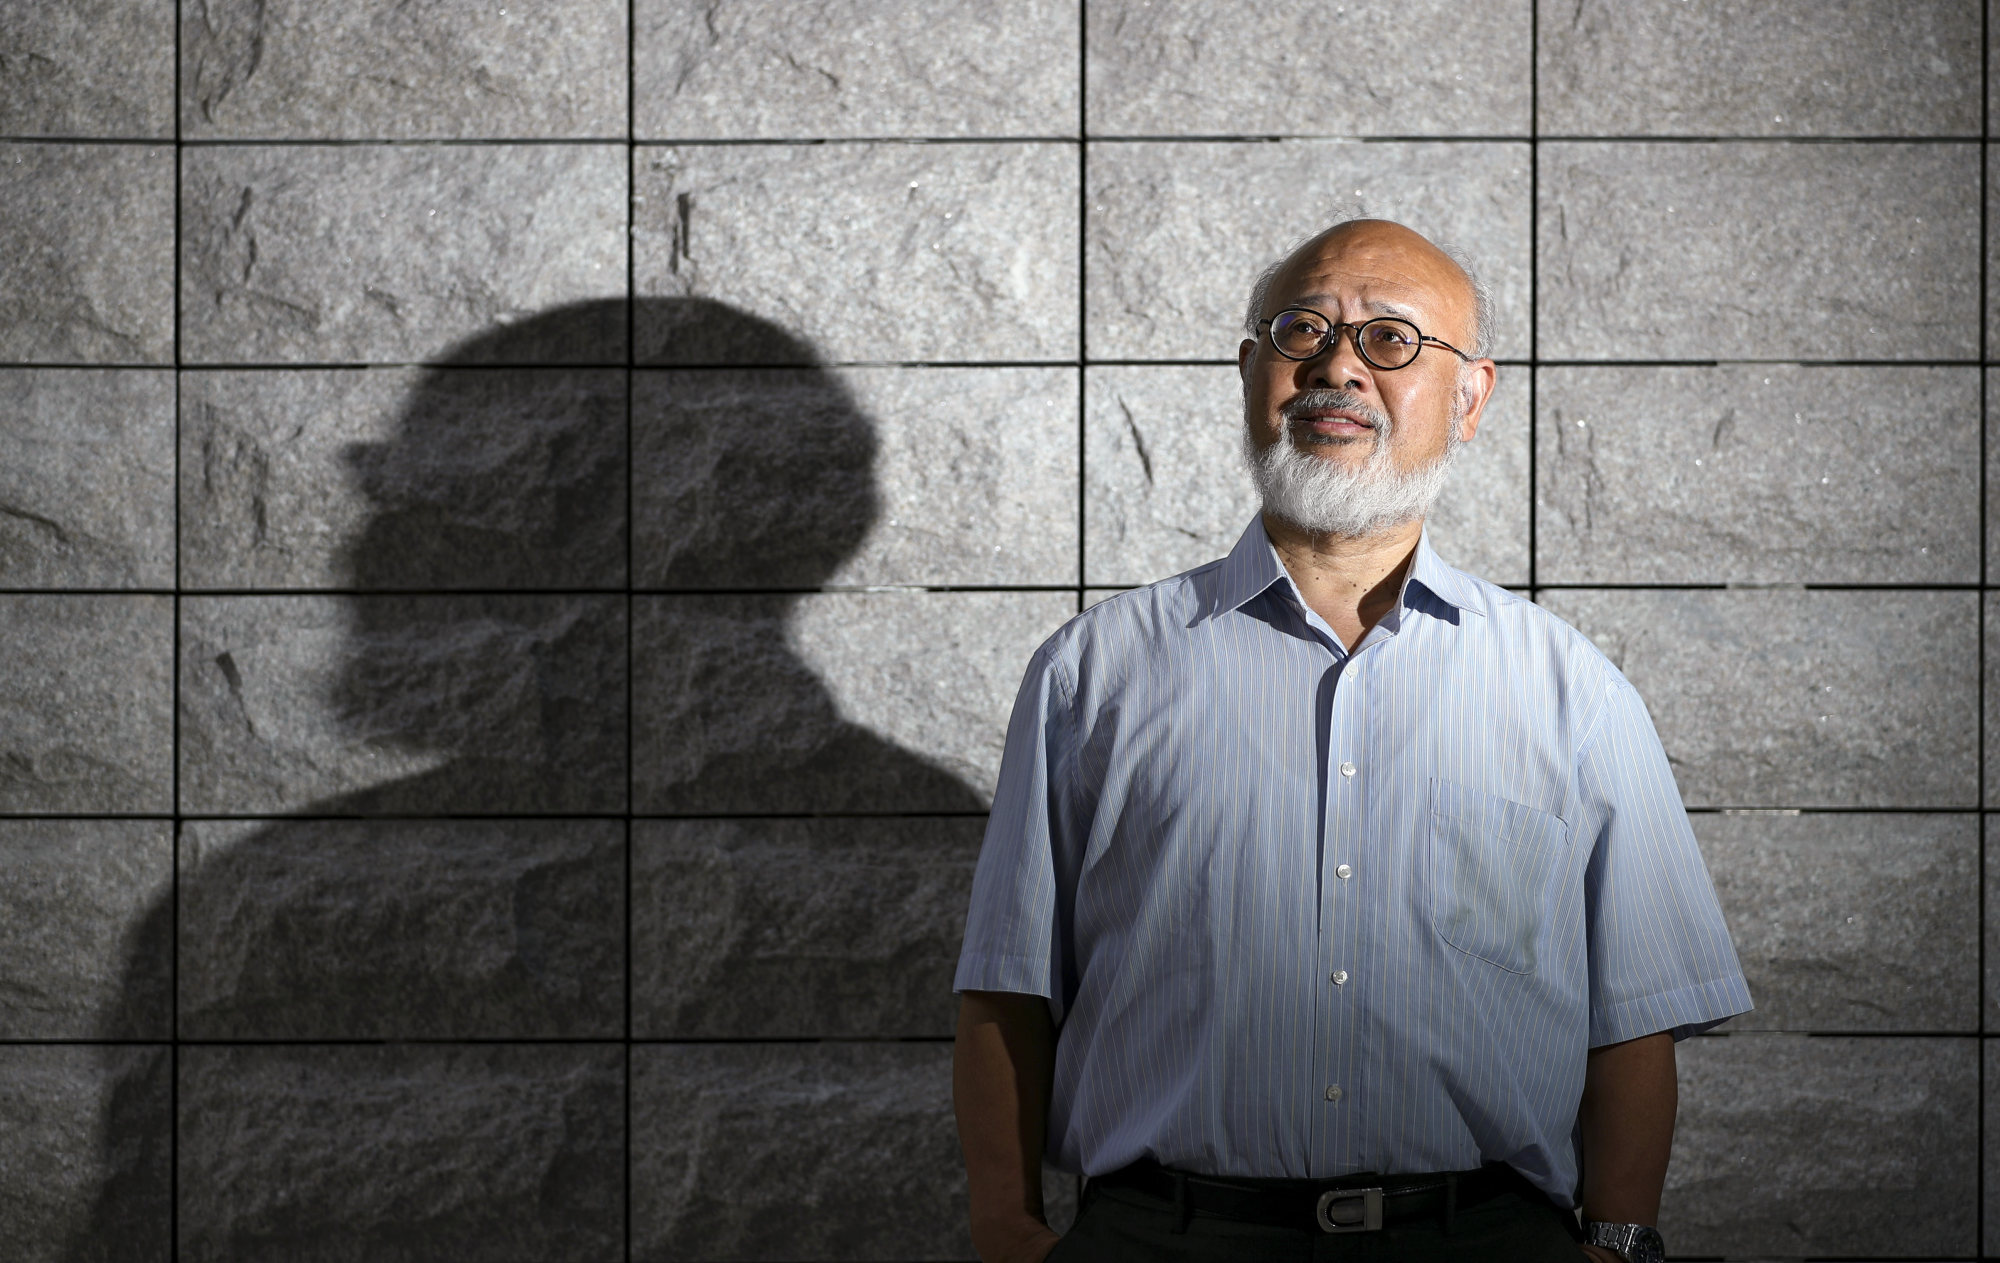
1335, 904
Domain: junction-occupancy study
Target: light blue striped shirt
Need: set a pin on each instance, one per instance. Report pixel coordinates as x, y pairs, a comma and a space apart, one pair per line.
1301, 912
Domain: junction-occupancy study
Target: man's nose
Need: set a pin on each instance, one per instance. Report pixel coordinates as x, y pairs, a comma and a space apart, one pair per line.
1339, 363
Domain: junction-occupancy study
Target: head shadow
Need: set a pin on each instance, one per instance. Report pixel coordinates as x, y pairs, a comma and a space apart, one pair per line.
546, 565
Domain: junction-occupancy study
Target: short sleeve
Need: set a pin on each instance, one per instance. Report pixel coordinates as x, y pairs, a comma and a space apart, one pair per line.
1013, 929
1660, 955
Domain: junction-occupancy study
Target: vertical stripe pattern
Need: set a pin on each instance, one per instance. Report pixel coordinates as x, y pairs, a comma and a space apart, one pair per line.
1306, 912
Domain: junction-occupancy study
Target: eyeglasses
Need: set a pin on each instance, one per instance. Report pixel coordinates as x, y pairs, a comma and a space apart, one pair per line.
1386, 342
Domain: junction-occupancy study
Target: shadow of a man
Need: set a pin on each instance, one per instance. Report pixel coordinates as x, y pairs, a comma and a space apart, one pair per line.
400, 926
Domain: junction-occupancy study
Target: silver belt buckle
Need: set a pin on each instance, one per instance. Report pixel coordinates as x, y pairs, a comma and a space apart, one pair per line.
1350, 1210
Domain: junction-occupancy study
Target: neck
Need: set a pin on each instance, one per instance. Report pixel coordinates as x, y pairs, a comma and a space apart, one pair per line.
1350, 581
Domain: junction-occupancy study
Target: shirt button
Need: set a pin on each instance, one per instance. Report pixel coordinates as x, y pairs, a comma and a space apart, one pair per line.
1344, 871
1340, 977
1333, 1092
1349, 672
1347, 769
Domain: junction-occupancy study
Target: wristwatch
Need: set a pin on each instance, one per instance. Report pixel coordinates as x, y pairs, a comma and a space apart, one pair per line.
1636, 1243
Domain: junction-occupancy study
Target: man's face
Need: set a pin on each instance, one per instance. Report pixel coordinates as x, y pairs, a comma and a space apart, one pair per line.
1362, 271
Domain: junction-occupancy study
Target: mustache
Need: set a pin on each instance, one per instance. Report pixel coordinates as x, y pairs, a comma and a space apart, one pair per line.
1298, 405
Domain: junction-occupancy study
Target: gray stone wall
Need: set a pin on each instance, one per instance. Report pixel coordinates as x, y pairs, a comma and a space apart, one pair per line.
520, 523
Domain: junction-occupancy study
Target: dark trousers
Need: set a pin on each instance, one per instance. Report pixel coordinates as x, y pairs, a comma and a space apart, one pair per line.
1121, 1225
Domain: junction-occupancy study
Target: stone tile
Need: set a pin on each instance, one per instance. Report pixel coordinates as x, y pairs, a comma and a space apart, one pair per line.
895, 252
85, 948
388, 253
1178, 232
717, 1132
402, 1153
1991, 930
86, 478
88, 68
1236, 67
1757, 473
886, 476
86, 254
1992, 249
852, 69
285, 69
1782, 698
86, 702
1787, 1146
1166, 490
398, 929
393, 705
403, 478
1757, 251
1991, 790
84, 1153
1991, 1158
788, 929
837, 701
1850, 922
1777, 68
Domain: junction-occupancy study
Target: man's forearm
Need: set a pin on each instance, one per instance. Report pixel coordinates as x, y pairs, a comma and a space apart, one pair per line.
1627, 1118
1001, 1069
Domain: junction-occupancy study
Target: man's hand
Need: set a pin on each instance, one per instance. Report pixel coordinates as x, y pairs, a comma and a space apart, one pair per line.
1001, 1069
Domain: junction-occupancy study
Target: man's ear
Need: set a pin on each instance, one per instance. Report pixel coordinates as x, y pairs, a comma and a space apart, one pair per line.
1475, 387
1246, 351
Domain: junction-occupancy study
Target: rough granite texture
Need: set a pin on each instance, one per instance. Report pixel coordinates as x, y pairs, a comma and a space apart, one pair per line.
1773, 68
392, 705
85, 1145
86, 703
855, 68
882, 476
1758, 252
81, 954
1991, 648
86, 254
1787, 1147
1789, 698
88, 68
1240, 67
399, 929
1757, 473
390, 254
1177, 232
1850, 922
839, 701
788, 929
403, 478
893, 252
1166, 490
717, 1131
86, 478
401, 1153
436, 69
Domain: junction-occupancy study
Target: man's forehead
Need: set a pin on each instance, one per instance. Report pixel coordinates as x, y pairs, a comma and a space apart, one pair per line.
1385, 268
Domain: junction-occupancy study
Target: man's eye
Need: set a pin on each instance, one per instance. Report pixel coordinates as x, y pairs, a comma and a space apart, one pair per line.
1390, 335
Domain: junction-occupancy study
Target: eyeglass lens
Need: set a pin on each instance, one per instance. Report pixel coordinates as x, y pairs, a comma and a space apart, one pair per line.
1385, 342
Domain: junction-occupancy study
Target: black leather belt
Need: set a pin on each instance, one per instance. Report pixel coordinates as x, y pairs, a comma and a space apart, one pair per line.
1352, 1203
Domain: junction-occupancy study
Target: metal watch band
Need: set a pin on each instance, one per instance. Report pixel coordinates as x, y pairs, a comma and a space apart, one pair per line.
1637, 1243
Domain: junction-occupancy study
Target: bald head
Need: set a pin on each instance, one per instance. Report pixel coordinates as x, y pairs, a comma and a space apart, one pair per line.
1384, 245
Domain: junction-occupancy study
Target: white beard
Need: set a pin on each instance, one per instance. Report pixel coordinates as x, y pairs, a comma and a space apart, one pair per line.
1326, 497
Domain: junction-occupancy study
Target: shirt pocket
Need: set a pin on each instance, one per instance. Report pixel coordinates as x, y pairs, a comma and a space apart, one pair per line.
1495, 865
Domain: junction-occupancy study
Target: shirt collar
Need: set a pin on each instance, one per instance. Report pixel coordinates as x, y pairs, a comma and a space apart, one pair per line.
1253, 565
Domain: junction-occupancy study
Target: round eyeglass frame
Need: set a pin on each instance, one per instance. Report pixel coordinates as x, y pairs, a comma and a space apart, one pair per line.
1354, 332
